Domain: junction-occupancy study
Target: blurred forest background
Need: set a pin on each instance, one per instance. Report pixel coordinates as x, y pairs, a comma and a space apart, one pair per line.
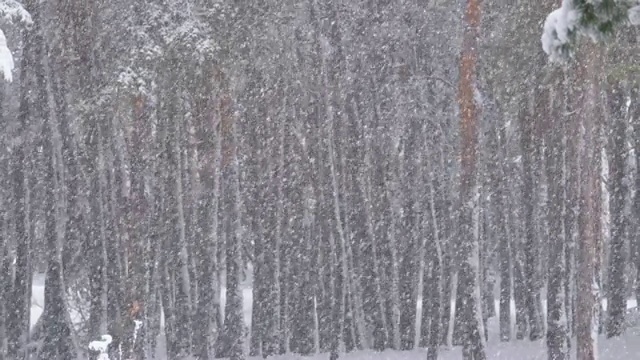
159, 157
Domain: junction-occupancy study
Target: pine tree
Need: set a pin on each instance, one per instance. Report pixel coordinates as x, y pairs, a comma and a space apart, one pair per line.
557, 324
18, 302
596, 19
469, 275
589, 229
616, 293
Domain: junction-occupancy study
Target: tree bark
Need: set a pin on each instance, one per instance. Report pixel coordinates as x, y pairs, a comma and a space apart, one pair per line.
469, 274
635, 116
234, 328
504, 255
18, 302
557, 339
436, 279
587, 304
530, 247
616, 285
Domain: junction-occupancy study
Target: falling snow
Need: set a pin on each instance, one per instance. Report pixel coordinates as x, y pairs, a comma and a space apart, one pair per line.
319, 179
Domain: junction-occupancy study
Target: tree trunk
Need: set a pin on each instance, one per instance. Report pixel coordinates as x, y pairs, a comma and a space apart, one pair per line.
616, 285
234, 328
500, 220
530, 249
436, 279
469, 252
557, 339
18, 302
57, 342
589, 231
635, 116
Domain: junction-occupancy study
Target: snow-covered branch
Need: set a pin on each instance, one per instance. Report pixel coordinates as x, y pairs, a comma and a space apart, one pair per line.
13, 11
596, 19
6, 59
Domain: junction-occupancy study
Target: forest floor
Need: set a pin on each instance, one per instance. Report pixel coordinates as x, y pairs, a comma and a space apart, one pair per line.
626, 347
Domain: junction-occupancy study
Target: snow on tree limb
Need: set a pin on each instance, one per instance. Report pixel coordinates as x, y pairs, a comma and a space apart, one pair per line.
13, 11
634, 15
559, 28
596, 19
6, 59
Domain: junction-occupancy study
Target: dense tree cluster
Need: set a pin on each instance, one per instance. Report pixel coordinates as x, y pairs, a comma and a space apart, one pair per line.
373, 174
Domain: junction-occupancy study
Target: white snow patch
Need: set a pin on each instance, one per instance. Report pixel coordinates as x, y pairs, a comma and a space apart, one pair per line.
477, 96
558, 27
6, 59
101, 346
634, 15
137, 326
12, 10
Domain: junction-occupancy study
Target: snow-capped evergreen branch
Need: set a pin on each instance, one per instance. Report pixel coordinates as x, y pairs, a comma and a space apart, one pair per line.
597, 19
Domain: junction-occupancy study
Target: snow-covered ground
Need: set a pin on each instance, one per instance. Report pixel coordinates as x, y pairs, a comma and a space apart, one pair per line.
625, 347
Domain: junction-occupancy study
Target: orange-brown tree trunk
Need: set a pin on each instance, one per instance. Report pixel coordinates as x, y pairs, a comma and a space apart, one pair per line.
589, 228
469, 287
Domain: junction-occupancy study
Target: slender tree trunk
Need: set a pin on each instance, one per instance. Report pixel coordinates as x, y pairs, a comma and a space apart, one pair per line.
557, 339
436, 279
57, 342
133, 304
6, 277
339, 262
572, 163
519, 290
273, 234
635, 116
115, 292
374, 279
394, 264
95, 235
379, 319
18, 302
530, 249
587, 307
469, 275
234, 320
204, 322
504, 255
281, 330
616, 286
